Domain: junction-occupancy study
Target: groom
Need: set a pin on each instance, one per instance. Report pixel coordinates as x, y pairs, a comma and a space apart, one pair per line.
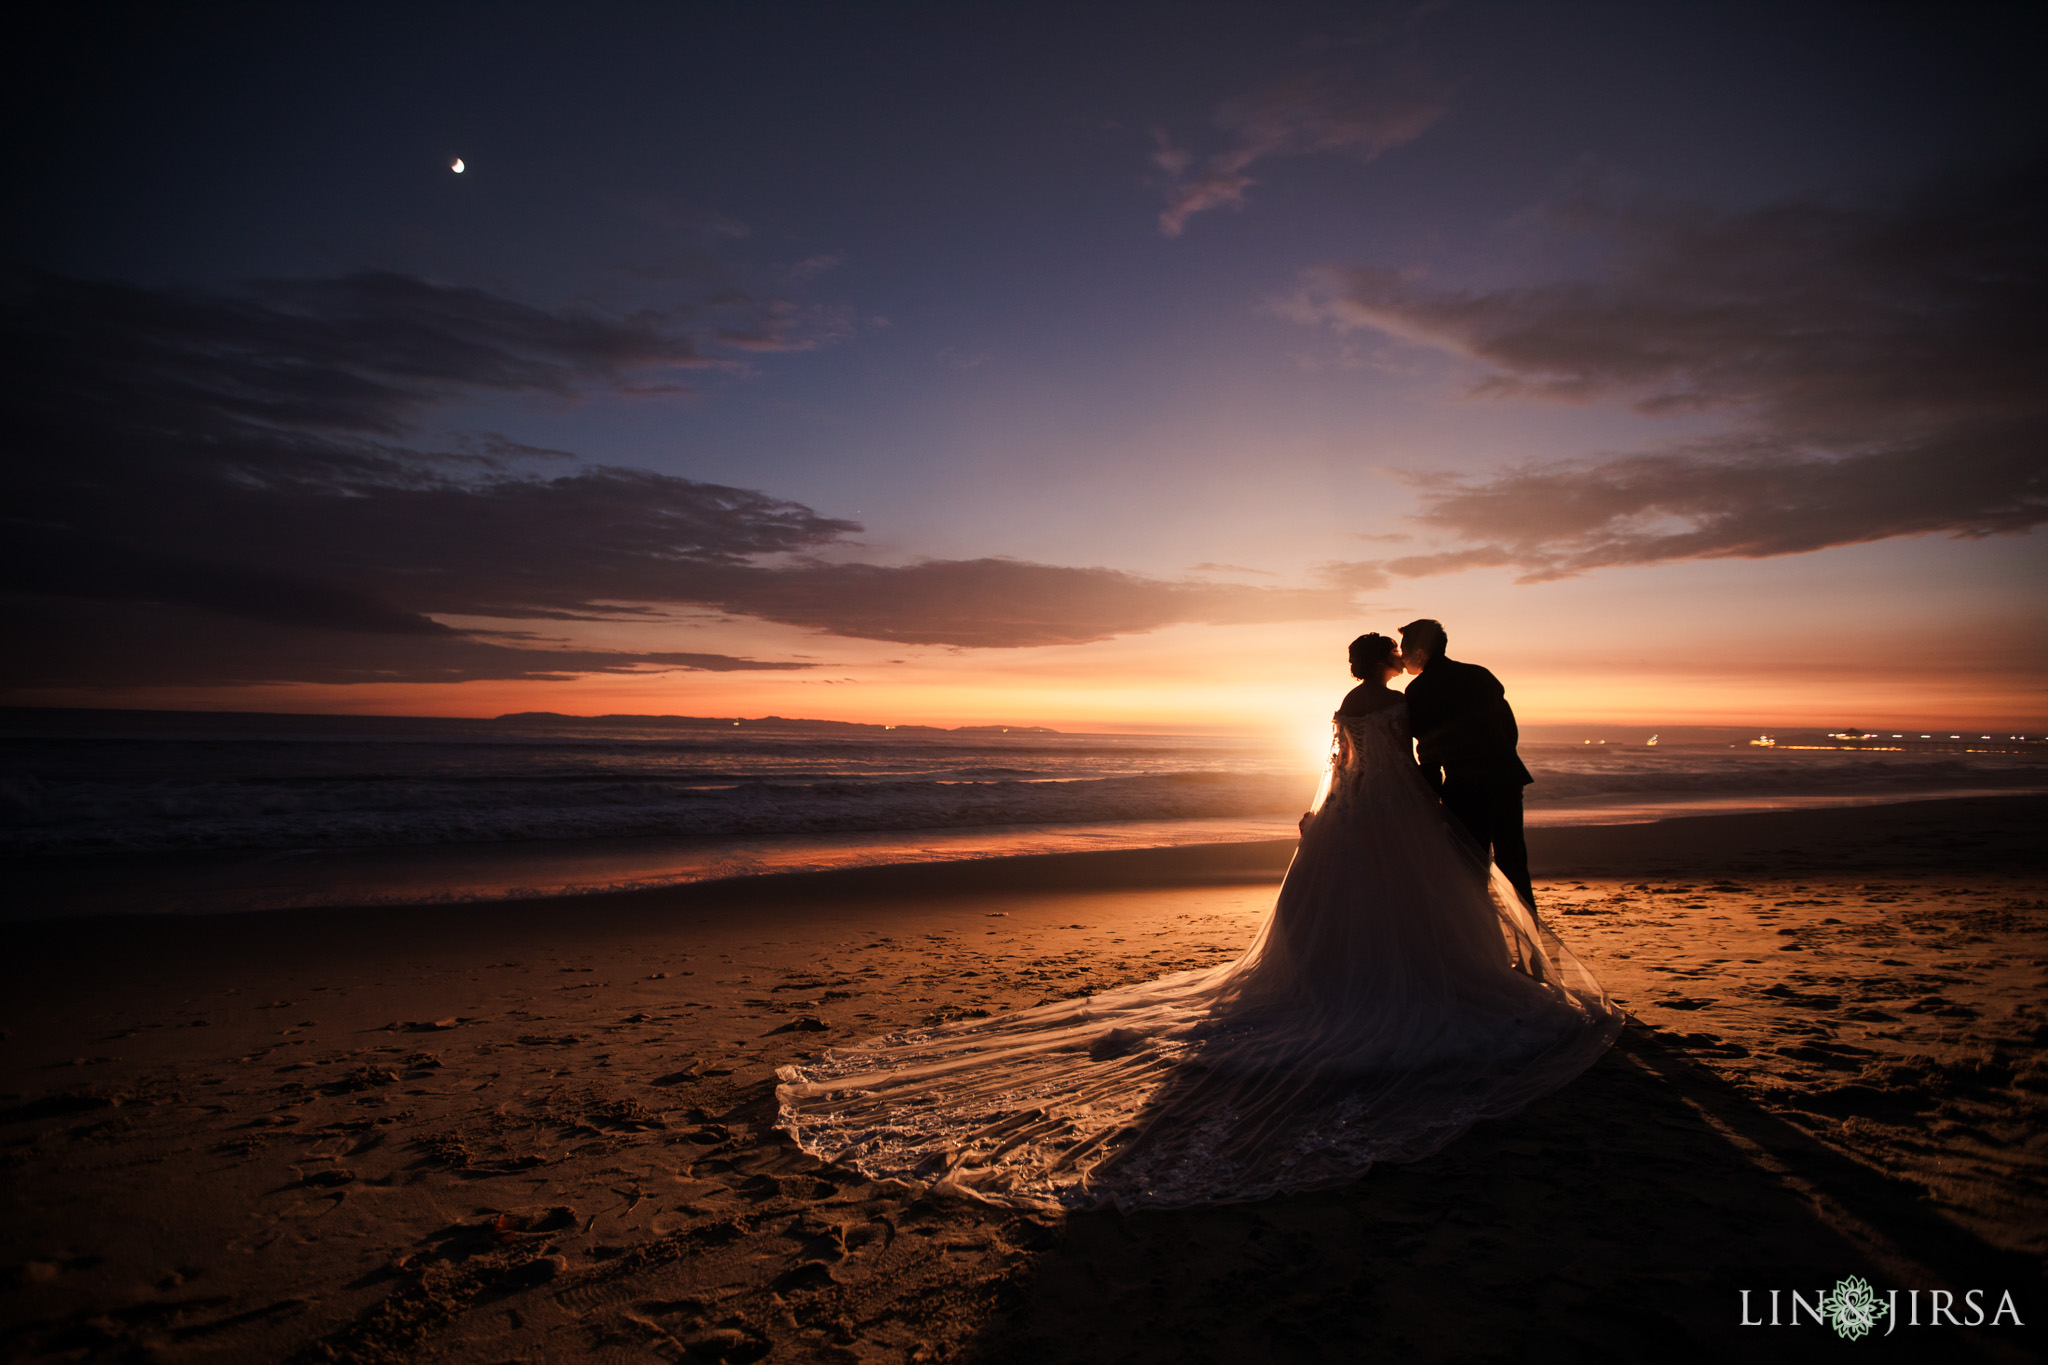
1465, 738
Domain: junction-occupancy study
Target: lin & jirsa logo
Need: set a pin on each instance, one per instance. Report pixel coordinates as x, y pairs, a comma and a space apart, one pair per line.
1853, 1308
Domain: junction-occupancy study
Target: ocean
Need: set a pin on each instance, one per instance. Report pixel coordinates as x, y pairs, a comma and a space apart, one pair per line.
226, 811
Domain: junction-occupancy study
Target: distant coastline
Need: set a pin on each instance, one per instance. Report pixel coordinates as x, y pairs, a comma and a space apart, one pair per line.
74, 718
760, 723
1951, 736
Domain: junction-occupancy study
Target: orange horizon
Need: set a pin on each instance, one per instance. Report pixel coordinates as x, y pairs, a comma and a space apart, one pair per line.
1247, 679
431, 703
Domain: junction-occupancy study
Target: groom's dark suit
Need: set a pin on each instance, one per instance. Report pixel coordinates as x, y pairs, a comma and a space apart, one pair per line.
1465, 737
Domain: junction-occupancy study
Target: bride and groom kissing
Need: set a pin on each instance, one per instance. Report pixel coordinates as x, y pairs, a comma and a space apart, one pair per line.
1464, 732
1400, 989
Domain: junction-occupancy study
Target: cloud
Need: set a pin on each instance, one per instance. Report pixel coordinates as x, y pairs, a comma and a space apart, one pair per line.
1448, 561
57, 643
226, 488
779, 326
1360, 575
1363, 116
1006, 603
1876, 368
812, 266
297, 377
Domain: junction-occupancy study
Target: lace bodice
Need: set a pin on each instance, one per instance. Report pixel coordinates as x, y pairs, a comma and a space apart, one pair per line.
1389, 719
1371, 756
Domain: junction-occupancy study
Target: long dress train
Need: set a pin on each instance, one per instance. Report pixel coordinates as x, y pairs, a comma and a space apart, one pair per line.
1398, 992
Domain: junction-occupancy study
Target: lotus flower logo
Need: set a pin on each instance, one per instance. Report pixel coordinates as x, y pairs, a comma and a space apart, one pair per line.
1853, 1308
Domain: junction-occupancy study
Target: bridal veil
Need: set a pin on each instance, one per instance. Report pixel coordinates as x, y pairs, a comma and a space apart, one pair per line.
1398, 992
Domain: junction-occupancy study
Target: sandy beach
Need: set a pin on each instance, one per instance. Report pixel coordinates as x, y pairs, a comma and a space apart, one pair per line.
545, 1130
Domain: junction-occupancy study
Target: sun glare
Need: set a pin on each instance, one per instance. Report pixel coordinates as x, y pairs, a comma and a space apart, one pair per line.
1313, 743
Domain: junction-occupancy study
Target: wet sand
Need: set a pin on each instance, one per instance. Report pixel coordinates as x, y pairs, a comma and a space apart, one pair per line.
544, 1130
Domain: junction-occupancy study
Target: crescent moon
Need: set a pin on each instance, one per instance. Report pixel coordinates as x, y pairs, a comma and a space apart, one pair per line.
458, 167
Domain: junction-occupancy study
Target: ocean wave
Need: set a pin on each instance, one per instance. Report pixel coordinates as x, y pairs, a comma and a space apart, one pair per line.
1707, 775
86, 819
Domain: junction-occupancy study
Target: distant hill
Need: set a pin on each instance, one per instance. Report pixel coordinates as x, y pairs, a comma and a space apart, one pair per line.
760, 723
55, 719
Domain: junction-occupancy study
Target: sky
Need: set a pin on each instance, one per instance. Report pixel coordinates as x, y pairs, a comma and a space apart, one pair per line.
1097, 366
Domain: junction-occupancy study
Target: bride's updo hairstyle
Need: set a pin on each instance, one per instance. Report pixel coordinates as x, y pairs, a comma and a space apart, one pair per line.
1369, 652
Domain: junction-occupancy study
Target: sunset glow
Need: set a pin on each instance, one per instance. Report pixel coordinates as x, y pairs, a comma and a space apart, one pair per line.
1155, 381
670, 679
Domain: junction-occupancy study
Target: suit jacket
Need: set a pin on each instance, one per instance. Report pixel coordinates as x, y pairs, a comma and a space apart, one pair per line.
1463, 725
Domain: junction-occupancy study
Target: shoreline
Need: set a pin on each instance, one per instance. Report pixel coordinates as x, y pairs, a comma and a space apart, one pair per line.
1137, 853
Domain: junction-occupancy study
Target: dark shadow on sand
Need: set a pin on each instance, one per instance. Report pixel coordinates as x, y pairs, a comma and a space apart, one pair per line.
1614, 1221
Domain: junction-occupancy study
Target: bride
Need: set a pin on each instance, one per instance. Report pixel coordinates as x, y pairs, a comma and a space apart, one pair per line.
1398, 992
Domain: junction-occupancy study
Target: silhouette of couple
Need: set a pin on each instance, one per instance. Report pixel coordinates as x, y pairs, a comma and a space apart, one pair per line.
1401, 989
1464, 732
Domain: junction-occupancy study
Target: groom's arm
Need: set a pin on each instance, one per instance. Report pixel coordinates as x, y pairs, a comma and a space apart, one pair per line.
1480, 732
1426, 716
1455, 720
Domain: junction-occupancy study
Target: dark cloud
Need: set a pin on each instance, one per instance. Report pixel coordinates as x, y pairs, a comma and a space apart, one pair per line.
1004, 603
220, 488
361, 354
55, 643
1318, 111
1877, 366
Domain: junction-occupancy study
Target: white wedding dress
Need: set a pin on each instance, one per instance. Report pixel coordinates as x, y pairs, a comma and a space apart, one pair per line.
1398, 992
